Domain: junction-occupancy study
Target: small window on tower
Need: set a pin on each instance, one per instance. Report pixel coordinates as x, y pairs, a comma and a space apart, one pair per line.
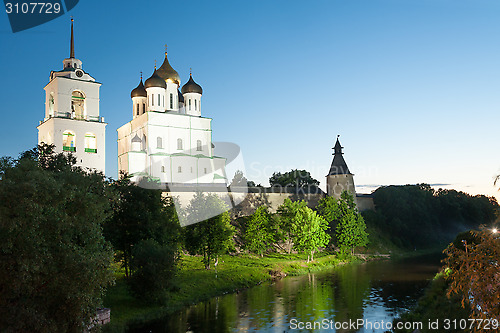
195, 105
198, 145
205, 171
51, 104
69, 141
90, 143
162, 168
179, 144
153, 100
143, 107
179, 169
159, 100
159, 142
137, 108
171, 101
190, 104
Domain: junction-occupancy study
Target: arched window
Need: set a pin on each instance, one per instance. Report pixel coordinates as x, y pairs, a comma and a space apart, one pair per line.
159, 100
90, 143
162, 168
159, 143
137, 107
69, 141
51, 104
198, 145
179, 144
190, 104
205, 170
179, 169
143, 107
195, 105
171, 101
152, 99
78, 104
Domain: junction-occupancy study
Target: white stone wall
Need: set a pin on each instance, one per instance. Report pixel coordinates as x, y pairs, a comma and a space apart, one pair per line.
62, 89
192, 104
51, 132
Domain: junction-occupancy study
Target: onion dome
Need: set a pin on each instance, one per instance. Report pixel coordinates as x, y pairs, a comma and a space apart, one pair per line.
167, 73
191, 87
180, 97
139, 91
155, 81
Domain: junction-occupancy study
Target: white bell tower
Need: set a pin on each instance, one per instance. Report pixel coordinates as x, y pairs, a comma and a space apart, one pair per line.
72, 122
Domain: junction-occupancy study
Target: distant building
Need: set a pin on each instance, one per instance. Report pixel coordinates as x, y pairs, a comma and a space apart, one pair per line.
340, 179
72, 122
167, 139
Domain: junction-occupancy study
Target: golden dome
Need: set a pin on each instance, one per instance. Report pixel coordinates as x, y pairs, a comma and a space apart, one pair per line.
167, 73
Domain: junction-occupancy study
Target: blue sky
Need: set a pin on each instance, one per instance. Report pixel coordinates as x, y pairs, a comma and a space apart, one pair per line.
412, 86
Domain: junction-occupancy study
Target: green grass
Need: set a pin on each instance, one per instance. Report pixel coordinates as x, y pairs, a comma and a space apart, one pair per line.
197, 284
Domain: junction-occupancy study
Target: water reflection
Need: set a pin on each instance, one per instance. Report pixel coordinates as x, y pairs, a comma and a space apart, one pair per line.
374, 292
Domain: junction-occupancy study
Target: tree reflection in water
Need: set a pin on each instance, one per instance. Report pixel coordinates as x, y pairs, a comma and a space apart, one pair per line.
374, 291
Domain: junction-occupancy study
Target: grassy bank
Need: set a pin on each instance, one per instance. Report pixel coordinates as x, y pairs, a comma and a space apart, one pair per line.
196, 284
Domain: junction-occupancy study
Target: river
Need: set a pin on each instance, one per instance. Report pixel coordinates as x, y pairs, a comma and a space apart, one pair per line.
375, 292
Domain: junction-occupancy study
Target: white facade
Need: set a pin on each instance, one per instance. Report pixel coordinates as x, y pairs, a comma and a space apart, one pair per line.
72, 122
169, 142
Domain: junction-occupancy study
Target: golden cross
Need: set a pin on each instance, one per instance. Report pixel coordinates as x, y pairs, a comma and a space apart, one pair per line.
141, 75
155, 64
190, 71
165, 48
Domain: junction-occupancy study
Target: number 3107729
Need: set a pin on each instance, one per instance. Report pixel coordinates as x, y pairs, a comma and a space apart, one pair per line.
32, 8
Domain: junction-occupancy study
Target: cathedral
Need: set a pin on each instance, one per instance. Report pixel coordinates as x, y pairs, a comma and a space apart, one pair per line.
72, 122
167, 139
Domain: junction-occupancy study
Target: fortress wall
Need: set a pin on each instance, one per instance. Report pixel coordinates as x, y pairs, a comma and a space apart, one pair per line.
365, 202
244, 204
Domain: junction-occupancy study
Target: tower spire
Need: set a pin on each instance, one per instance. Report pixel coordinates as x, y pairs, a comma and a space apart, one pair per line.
72, 42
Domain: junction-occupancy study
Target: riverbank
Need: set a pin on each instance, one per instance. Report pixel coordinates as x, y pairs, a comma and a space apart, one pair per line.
196, 284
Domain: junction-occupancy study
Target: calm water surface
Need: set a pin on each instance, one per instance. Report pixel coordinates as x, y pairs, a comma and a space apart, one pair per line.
376, 291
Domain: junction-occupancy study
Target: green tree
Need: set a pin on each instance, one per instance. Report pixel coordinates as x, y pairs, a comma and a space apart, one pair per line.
286, 217
344, 218
139, 214
293, 178
259, 234
301, 228
214, 234
54, 261
154, 266
309, 232
351, 232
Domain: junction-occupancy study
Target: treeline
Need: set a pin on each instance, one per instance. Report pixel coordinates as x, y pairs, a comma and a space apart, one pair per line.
64, 231
419, 216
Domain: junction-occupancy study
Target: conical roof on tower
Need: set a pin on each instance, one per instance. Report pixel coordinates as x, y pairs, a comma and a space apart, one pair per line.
339, 166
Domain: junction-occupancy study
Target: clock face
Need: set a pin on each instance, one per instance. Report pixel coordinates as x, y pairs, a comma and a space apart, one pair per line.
79, 73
